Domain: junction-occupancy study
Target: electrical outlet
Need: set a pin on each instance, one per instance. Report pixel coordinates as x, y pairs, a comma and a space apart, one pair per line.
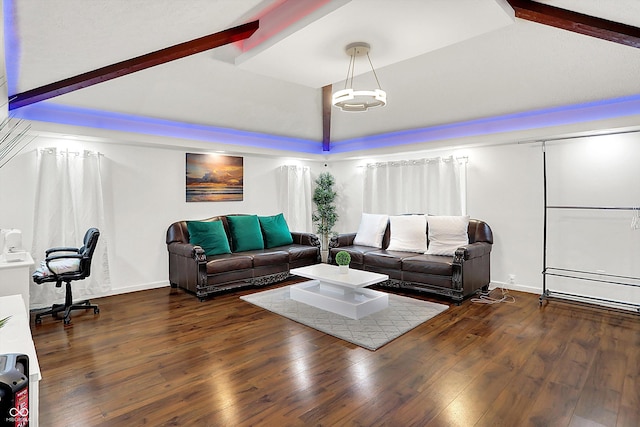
512, 279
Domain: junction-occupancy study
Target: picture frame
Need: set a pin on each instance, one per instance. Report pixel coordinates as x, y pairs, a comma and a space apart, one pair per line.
214, 178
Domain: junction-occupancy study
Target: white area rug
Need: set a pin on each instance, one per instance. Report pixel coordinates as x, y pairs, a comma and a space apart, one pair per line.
371, 332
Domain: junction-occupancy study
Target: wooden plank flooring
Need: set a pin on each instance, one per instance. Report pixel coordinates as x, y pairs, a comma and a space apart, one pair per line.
161, 357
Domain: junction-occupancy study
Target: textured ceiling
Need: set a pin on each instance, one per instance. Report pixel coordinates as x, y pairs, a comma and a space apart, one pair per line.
314, 55
439, 63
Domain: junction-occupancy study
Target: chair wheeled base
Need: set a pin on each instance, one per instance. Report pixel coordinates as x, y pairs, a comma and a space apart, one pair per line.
67, 307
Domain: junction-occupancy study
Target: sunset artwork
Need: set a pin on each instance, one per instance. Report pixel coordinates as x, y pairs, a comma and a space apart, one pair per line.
214, 178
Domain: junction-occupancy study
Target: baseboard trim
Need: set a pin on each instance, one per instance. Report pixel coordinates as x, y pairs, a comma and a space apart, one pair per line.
135, 288
515, 287
165, 283
116, 291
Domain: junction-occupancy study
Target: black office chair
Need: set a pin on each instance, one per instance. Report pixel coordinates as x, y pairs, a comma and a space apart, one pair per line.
80, 260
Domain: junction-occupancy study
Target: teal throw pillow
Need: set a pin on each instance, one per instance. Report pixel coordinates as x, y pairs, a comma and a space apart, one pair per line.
276, 231
245, 233
210, 236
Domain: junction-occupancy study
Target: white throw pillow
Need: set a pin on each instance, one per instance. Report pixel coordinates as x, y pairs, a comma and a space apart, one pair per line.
446, 234
371, 230
58, 266
408, 233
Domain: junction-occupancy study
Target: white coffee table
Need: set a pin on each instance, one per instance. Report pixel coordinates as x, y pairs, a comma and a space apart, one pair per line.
340, 293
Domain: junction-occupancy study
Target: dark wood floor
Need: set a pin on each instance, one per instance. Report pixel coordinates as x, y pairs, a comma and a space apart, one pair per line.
161, 357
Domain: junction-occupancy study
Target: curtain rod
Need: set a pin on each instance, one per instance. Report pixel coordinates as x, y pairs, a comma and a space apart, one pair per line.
417, 161
66, 152
559, 138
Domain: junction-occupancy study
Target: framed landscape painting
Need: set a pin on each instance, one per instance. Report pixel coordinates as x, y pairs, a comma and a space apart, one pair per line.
214, 178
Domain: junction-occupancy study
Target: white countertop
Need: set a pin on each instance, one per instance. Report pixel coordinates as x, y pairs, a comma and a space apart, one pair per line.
15, 335
27, 262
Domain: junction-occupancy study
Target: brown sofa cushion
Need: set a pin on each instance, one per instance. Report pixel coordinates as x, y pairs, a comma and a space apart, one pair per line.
270, 258
429, 264
227, 262
386, 259
356, 252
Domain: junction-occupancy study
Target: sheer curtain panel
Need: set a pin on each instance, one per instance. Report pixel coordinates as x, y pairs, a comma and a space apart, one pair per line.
69, 200
294, 189
435, 186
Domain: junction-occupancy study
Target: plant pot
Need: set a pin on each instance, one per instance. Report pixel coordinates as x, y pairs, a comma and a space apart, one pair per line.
344, 269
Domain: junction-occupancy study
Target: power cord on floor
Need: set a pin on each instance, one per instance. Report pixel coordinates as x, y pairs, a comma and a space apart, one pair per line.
486, 298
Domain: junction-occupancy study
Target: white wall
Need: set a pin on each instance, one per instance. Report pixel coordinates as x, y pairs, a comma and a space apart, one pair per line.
145, 193
504, 187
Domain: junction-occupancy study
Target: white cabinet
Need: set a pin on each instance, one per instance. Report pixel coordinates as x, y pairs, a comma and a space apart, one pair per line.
15, 278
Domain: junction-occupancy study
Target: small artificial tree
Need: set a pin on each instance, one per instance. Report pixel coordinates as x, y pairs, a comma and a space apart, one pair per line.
325, 216
343, 258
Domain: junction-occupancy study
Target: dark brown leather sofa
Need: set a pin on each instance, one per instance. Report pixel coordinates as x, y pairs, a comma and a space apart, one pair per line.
456, 277
192, 270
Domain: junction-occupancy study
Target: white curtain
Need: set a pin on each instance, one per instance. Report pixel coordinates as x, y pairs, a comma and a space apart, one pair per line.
435, 186
69, 201
294, 188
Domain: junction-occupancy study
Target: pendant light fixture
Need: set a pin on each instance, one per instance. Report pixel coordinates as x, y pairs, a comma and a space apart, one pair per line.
349, 99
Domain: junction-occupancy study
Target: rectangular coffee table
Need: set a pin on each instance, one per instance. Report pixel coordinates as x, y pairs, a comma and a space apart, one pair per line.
340, 293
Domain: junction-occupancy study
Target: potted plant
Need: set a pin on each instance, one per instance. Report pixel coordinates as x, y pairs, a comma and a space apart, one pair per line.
343, 258
325, 216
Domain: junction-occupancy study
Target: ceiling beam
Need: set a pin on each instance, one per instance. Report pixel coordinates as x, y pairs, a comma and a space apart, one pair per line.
577, 22
326, 118
129, 66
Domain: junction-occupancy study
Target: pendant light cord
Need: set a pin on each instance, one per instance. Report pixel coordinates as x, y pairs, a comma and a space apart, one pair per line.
352, 63
374, 71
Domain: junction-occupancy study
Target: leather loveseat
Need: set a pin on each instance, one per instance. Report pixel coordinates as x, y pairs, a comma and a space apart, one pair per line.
190, 268
457, 277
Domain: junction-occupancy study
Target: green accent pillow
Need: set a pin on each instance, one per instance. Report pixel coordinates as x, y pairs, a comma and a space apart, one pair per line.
210, 236
245, 232
276, 231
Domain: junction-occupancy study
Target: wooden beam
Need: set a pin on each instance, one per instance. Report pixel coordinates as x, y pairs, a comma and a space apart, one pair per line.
129, 66
326, 117
577, 22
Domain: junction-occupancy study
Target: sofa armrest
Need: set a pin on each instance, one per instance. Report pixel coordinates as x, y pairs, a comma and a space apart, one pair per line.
472, 250
185, 250
307, 239
471, 268
342, 240
187, 266
339, 241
